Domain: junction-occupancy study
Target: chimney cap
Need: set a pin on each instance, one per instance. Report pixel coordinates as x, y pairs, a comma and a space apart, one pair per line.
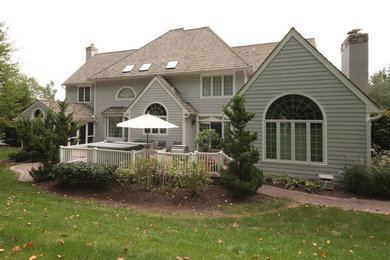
353, 31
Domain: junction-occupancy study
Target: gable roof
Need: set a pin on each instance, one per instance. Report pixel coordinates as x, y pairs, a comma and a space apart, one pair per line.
194, 49
255, 54
82, 112
95, 64
372, 107
174, 93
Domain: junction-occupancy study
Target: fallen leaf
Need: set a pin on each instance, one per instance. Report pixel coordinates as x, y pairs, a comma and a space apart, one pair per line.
187, 258
89, 245
29, 244
235, 224
299, 252
323, 255
304, 241
220, 241
351, 236
61, 241
260, 239
350, 250
59, 256
33, 257
255, 256
179, 258
335, 233
328, 241
2, 250
16, 248
314, 244
121, 258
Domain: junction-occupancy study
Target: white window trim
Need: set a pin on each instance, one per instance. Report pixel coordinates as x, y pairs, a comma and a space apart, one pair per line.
167, 116
211, 90
90, 94
107, 137
308, 156
86, 131
124, 99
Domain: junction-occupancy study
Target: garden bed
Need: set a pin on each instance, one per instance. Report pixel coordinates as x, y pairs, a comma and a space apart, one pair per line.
170, 200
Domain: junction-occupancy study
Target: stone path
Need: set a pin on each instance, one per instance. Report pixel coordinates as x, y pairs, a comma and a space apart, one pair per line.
23, 170
374, 206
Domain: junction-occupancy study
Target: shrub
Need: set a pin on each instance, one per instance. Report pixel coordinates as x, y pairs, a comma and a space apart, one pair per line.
80, 173
380, 181
268, 178
207, 139
311, 186
22, 156
357, 179
44, 172
142, 172
197, 178
380, 131
246, 186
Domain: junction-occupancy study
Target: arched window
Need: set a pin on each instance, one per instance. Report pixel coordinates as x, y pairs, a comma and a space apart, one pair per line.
125, 93
157, 110
294, 130
38, 113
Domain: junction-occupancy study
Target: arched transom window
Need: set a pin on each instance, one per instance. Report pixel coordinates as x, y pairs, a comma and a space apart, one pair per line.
126, 93
294, 130
157, 110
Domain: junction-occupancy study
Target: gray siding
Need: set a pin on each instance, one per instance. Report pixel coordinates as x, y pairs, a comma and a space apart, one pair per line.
189, 87
190, 133
157, 94
106, 97
71, 95
29, 112
295, 70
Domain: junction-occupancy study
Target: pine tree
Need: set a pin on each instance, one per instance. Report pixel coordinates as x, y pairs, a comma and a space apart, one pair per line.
242, 177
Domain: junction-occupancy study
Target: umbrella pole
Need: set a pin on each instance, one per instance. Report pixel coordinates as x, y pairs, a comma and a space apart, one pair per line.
147, 143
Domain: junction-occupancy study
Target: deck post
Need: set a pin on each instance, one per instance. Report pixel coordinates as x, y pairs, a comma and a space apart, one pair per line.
61, 153
220, 160
94, 155
133, 156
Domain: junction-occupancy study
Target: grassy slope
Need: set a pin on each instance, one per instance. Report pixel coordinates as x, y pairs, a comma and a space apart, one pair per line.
265, 228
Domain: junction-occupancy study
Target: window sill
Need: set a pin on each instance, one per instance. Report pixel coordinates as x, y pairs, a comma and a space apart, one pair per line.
320, 164
215, 97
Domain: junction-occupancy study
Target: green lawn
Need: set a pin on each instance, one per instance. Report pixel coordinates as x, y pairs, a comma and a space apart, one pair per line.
51, 226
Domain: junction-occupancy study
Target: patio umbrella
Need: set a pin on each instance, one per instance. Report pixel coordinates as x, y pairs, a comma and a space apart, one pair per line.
146, 121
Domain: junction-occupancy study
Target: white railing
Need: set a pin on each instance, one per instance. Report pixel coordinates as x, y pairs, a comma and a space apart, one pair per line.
213, 161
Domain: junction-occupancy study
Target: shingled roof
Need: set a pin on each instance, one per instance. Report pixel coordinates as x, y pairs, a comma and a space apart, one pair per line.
95, 64
82, 112
195, 50
256, 54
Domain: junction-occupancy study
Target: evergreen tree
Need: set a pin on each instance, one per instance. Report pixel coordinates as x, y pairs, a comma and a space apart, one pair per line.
379, 88
242, 176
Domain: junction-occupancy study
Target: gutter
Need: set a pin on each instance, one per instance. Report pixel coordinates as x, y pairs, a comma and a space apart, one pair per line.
370, 119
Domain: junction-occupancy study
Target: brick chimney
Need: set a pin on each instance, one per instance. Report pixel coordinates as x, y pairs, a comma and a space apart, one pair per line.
354, 58
90, 51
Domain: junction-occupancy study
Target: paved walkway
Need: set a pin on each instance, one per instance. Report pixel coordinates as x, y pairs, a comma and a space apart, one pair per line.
23, 170
374, 206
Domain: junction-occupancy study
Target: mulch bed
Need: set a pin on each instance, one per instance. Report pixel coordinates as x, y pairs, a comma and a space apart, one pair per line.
173, 201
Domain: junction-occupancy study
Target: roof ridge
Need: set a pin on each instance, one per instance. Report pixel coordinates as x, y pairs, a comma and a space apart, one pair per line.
110, 52
128, 55
230, 48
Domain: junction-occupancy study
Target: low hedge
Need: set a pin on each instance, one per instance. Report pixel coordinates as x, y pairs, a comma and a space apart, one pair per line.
80, 173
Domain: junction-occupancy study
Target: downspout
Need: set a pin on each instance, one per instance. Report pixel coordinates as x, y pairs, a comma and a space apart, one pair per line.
369, 120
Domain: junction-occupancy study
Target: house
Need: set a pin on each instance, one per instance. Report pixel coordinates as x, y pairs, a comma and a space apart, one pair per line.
310, 117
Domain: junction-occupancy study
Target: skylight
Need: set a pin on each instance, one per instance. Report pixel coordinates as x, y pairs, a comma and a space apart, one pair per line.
171, 64
128, 68
145, 66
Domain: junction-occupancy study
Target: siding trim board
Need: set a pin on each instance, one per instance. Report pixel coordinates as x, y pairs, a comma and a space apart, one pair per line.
371, 106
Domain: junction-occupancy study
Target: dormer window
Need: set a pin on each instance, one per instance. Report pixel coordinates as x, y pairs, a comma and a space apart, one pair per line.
172, 64
145, 67
128, 68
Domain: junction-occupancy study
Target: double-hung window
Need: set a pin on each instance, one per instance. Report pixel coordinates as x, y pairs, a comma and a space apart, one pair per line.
113, 131
217, 86
294, 130
84, 94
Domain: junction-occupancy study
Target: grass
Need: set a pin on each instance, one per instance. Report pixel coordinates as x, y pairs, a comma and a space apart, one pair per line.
51, 226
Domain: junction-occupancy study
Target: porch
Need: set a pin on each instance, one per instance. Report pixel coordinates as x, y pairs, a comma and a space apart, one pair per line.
98, 153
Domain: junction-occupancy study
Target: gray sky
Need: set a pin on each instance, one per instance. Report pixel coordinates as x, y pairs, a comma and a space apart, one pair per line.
51, 36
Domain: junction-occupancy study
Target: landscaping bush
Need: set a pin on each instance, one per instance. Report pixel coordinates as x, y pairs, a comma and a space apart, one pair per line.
22, 156
80, 173
44, 172
207, 139
380, 181
357, 179
142, 172
197, 178
380, 131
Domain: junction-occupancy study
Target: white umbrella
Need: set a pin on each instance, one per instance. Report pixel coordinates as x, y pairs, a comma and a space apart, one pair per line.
146, 121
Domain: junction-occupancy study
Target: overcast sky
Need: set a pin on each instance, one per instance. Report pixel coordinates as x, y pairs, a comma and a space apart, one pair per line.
51, 36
